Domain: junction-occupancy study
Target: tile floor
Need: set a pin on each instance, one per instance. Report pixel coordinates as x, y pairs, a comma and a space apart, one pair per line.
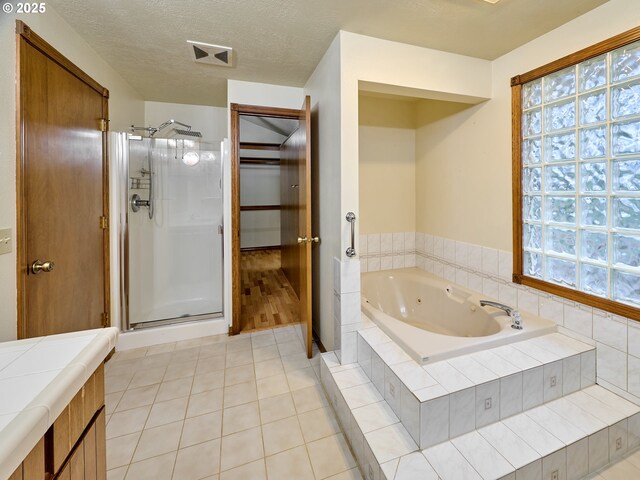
248, 407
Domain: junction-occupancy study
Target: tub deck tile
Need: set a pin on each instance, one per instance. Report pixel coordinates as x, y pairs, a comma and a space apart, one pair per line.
578, 417
529, 348
449, 463
413, 376
449, 377
539, 362
374, 416
361, 395
485, 459
472, 369
580, 431
564, 430
374, 336
498, 365
430, 393
516, 357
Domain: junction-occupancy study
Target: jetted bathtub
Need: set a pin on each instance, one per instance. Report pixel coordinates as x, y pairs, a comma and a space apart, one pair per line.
432, 319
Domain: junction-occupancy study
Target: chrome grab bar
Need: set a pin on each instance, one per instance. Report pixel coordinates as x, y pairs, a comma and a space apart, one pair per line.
351, 218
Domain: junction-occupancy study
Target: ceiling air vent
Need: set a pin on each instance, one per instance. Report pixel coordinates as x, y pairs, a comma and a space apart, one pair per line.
211, 54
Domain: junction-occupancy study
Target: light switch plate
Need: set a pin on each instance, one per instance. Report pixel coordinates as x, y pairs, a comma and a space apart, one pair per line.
6, 241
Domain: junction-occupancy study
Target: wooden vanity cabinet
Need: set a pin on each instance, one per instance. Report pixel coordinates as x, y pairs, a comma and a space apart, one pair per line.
74, 447
33, 465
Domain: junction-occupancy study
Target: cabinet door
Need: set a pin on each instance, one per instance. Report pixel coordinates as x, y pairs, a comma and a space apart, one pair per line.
17, 475
65, 473
101, 446
77, 463
33, 465
90, 455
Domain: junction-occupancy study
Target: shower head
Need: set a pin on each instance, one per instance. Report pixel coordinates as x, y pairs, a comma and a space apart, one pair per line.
187, 133
153, 130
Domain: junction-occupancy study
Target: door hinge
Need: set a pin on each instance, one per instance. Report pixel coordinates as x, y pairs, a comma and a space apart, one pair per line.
104, 223
103, 124
105, 320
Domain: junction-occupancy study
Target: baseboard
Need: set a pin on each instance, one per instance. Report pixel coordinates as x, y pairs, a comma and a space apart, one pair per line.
316, 338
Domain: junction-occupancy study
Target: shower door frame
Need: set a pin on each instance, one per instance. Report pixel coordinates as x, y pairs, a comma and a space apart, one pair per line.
123, 242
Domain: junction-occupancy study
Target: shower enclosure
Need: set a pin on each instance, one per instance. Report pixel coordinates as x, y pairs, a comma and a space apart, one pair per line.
170, 242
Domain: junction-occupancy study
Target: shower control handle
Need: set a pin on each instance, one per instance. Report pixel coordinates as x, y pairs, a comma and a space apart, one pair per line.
137, 202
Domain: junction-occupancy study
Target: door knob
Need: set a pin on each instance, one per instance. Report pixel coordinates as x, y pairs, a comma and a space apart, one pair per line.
39, 266
315, 239
302, 240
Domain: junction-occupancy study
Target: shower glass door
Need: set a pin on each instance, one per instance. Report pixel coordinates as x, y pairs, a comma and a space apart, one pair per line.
174, 231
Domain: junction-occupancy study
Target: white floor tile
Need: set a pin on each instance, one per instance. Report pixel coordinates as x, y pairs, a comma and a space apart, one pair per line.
156, 468
201, 429
241, 417
250, 471
330, 456
157, 441
240, 448
197, 461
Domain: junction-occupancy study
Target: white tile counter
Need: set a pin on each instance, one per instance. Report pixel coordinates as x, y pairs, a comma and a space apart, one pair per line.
38, 379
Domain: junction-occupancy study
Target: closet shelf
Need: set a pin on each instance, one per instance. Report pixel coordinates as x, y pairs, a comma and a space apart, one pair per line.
259, 161
259, 146
254, 208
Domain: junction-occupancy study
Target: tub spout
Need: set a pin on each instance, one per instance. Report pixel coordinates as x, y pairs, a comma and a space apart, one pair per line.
516, 319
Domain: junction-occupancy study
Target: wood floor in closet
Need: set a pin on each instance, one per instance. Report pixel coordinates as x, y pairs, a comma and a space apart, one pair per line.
268, 300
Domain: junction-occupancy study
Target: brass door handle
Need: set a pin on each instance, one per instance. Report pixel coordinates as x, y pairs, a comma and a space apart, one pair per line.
302, 240
39, 266
315, 240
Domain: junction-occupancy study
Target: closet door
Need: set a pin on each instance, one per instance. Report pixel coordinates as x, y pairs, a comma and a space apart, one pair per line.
297, 237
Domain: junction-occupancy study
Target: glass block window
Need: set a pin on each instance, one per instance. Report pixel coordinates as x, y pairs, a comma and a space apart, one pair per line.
580, 177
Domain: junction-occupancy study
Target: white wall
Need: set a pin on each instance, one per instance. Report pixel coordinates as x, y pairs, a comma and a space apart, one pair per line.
453, 182
324, 88
210, 121
263, 94
387, 171
125, 107
367, 60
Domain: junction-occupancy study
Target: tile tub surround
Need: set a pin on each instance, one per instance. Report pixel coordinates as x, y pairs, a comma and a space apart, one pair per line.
570, 437
223, 408
445, 399
488, 271
347, 318
38, 379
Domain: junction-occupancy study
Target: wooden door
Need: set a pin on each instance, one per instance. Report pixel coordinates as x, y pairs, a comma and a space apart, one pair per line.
295, 222
295, 209
62, 193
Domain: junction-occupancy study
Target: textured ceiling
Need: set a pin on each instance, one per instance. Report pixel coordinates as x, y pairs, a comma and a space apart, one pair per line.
281, 41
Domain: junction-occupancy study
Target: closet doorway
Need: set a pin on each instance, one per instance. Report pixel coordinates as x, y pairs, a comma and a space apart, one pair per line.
271, 218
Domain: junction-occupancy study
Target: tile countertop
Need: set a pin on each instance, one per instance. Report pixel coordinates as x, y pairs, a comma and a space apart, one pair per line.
38, 379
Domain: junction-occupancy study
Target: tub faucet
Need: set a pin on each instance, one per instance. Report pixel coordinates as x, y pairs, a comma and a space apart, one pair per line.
516, 320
